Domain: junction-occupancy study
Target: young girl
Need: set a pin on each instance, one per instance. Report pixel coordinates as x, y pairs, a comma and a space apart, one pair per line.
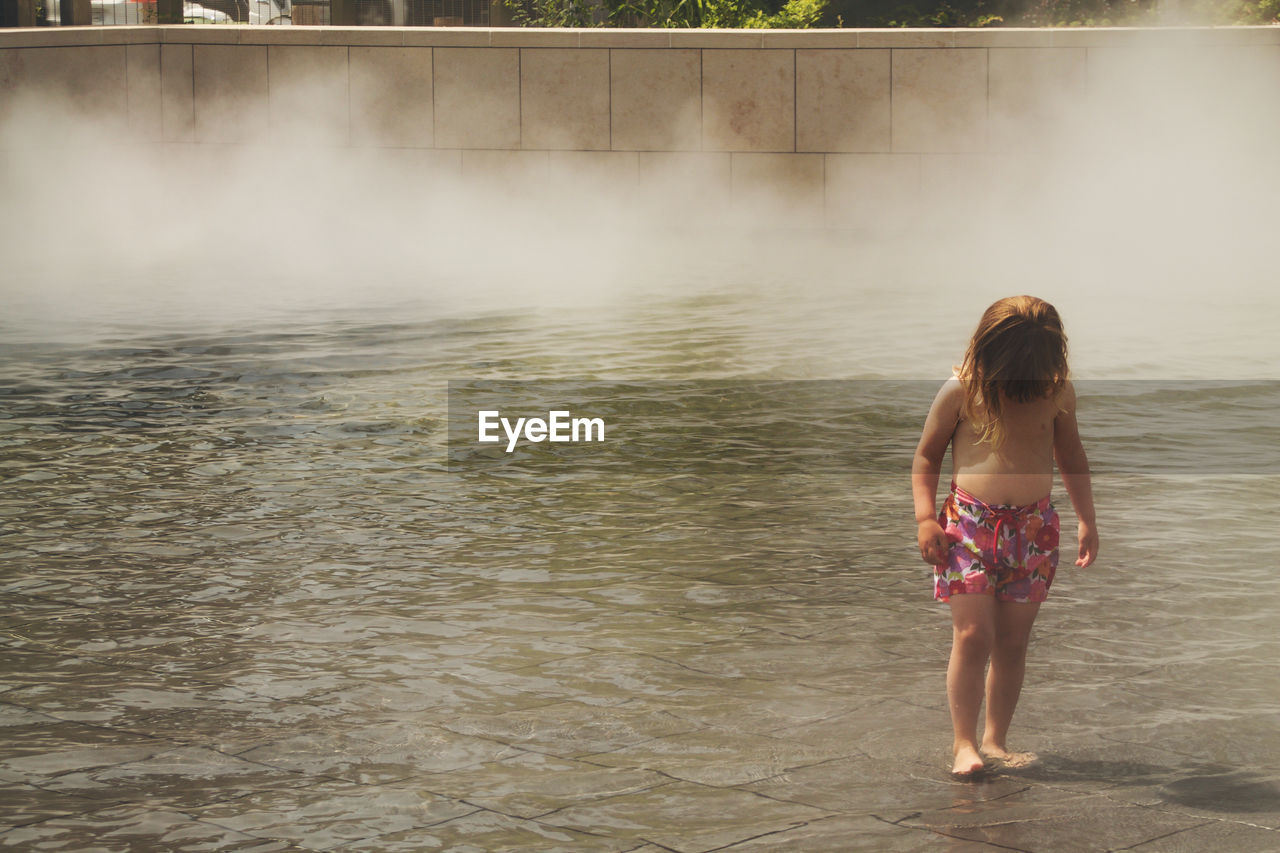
1008, 413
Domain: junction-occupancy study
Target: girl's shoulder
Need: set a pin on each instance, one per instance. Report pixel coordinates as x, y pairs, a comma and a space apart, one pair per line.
1065, 399
953, 385
950, 398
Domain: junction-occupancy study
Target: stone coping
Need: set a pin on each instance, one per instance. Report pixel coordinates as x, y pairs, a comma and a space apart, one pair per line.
638, 38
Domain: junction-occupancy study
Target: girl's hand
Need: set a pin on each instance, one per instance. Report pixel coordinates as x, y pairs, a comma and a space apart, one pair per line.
932, 541
1088, 535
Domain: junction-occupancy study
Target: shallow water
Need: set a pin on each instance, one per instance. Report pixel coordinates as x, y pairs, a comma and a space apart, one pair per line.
236, 559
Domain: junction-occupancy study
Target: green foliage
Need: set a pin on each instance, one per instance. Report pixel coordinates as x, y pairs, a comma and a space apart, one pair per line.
930, 13
659, 13
724, 14
1263, 12
1242, 11
1051, 13
1095, 13
552, 13
799, 14
794, 15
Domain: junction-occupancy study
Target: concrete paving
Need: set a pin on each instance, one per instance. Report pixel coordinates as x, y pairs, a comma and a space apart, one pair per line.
626, 714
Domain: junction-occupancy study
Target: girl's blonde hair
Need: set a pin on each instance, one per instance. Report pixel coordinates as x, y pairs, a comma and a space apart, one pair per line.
1019, 353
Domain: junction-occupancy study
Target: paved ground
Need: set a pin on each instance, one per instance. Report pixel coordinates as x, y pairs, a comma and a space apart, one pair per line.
659, 713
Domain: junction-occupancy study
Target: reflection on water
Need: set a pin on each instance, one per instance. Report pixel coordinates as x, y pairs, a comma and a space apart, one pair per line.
259, 523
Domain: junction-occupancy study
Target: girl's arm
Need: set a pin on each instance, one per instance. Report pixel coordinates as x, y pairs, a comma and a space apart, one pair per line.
1073, 464
926, 467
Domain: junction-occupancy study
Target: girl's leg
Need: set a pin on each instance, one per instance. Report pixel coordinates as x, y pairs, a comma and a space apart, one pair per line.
972, 633
1013, 621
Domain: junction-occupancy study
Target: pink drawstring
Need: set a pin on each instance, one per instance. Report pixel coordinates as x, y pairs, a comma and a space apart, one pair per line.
1012, 515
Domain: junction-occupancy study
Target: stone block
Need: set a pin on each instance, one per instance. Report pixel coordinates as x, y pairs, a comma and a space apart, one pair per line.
202, 34
959, 189
871, 191
537, 37
784, 189
309, 92
300, 35
903, 38
631, 38
129, 35
815, 38
391, 97
429, 164
446, 37
52, 36
564, 99
1099, 37
717, 39
748, 100
143, 73
939, 100
842, 100
1004, 37
656, 100
596, 170
177, 99
513, 169
363, 36
596, 187
230, 93
683, 186
1190, 99
477, 97
1034, 93
64, 86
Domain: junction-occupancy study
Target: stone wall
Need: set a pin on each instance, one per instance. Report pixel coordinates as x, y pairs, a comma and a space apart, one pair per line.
827, 115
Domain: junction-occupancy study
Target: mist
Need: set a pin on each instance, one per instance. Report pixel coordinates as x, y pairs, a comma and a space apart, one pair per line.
1146, 211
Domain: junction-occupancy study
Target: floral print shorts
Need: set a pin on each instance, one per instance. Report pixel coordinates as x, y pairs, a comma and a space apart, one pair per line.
1008, 551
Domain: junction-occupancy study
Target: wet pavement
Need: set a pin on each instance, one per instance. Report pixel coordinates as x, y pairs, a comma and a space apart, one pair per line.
247, 607
651, 713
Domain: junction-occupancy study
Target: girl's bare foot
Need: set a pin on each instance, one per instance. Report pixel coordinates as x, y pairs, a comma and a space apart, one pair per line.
1009, 759
968, 762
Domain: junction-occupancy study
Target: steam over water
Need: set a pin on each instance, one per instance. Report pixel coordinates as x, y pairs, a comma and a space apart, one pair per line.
223, 434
